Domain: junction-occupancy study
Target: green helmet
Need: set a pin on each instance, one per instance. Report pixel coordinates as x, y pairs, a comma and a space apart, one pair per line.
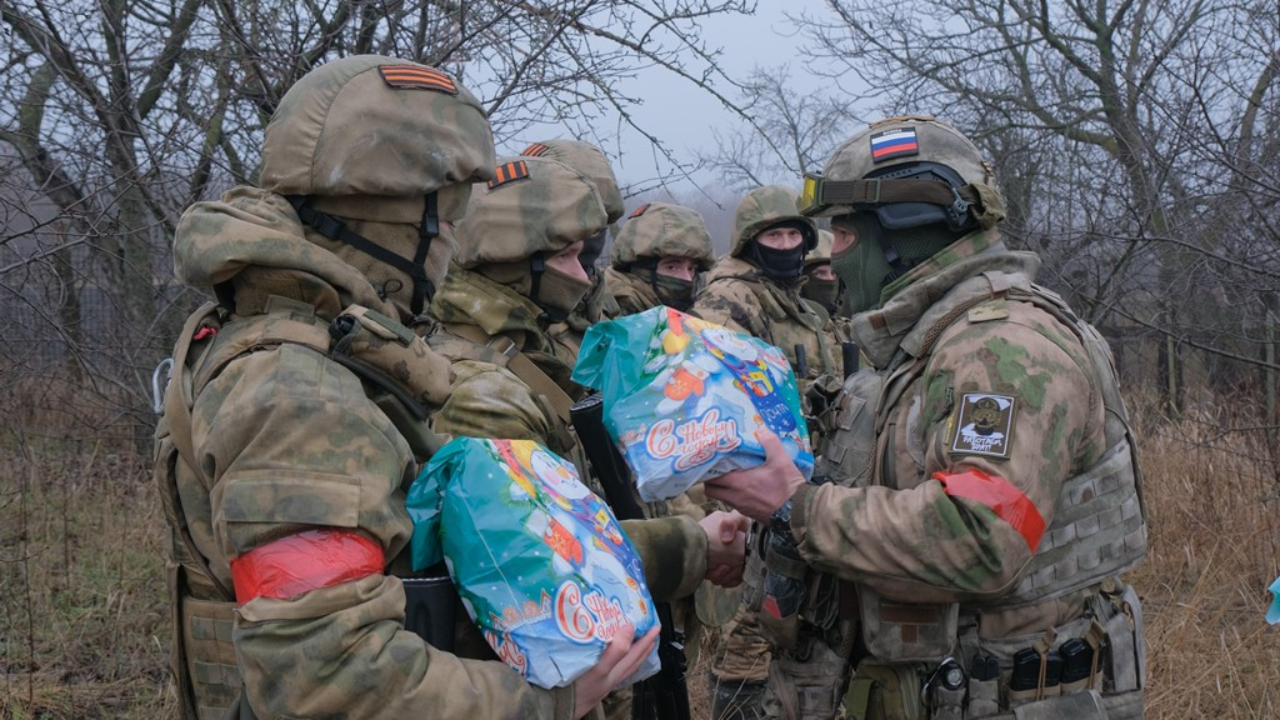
908, 171
659, 230
588, 160
533, 205
765, 207
375, 126
821, 255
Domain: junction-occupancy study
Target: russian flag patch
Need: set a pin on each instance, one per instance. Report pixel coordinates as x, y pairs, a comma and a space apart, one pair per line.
899, 142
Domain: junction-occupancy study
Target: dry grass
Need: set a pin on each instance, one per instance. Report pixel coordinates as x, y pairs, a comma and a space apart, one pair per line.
84, 634
84, 631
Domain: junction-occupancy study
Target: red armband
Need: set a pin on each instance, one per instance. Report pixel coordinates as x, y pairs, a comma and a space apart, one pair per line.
314, 559
1009, 503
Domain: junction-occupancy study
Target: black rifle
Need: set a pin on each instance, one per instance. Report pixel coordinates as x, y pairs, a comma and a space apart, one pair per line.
663, 696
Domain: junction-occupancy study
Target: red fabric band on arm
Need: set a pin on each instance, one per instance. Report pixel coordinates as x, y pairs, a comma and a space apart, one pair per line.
309, 560
1009, 503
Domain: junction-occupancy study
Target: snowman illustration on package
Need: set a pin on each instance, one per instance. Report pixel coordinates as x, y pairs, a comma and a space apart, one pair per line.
539, 561
684, 398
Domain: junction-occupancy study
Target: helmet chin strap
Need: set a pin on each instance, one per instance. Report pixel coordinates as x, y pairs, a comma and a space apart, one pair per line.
416, 269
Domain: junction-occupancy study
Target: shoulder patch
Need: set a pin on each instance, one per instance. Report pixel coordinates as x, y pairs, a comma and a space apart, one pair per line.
984, 425
417, 77
991, 310
889, 144
535, 150
638, 211
509, 173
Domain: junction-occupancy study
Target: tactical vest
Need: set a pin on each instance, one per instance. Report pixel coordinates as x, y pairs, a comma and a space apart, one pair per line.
1099, 528
1098, 532
401, 376
799, 311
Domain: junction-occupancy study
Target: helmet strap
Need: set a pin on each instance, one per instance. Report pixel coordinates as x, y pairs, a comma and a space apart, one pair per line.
335, 229
537, 266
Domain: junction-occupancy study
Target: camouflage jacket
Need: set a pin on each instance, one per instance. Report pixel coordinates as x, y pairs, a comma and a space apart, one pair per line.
489, 400
1007, 390
738, 296
287, 439
632, 294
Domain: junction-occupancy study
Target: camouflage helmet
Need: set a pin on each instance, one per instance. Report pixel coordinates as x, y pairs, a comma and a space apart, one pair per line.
376, 155
533, 205
376, 126
765, 207
821, 255
880, 169
658, 230
588, 160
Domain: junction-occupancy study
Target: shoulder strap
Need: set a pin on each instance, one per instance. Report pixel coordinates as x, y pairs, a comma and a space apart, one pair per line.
177, 421
501, 351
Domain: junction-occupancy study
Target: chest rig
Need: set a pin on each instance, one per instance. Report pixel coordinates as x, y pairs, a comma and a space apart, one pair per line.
401, 375
1098, 530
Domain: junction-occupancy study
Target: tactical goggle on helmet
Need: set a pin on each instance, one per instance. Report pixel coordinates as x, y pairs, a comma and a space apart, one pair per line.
909, 171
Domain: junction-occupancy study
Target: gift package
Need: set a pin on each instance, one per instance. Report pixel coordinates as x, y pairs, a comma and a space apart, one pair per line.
539, 561
684, 398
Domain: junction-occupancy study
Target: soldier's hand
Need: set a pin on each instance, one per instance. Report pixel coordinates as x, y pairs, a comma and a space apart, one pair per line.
760, 490
726, 546
620, 659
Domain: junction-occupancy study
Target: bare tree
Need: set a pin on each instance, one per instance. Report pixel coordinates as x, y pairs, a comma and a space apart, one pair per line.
786, 132
1124, 131
118, 114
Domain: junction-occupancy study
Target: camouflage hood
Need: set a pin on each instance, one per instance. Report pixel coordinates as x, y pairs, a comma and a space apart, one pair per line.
255, 230
659, 230
968, 261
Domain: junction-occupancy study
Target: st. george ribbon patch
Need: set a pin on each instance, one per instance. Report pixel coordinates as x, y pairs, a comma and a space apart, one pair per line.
985, 425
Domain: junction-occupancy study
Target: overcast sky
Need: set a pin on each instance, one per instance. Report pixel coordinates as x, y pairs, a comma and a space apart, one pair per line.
684, 116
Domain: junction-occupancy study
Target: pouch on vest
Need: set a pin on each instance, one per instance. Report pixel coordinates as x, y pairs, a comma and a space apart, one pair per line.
1077, 706
808, 687
391, 355
766, 567
907, 632
895, 691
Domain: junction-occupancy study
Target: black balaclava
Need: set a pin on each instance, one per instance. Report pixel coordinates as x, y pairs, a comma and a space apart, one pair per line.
785, 266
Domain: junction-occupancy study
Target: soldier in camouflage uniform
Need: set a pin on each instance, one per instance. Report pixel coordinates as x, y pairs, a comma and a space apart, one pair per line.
983, 494
598, 302
516, 273
821, 286
294, 419
656, 258
756, 289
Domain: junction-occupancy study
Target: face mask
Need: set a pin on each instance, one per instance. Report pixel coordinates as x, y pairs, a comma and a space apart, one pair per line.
673, 292
782, 265
862, 268
824, 292
559, 293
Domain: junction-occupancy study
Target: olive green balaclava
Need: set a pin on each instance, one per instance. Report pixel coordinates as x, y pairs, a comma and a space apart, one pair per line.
880, 257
